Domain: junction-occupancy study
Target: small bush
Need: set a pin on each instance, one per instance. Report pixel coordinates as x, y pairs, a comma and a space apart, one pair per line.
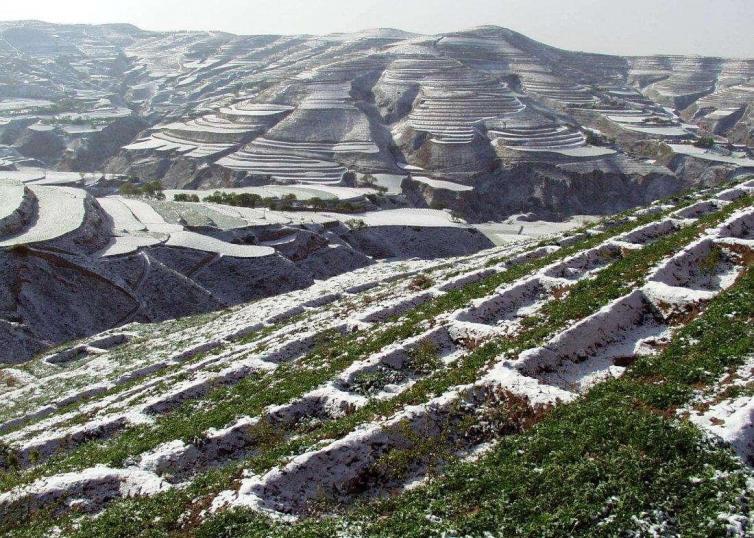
153, 189
128, 189
356, 224
8, 457
421, 282
317, 203
593, 139
186, 198
425, 358
457, 217
706, 142
150, 189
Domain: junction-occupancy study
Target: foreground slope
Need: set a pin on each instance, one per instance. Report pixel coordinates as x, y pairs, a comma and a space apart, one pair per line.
570, 372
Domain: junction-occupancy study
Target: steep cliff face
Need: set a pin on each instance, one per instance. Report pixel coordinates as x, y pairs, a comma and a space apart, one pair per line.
554, 192
91, 154
41, 143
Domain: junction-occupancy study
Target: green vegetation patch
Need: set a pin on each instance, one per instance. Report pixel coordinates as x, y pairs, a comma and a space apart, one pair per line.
614, 461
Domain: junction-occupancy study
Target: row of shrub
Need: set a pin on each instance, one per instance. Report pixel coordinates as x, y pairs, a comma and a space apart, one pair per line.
287, 202
150, 189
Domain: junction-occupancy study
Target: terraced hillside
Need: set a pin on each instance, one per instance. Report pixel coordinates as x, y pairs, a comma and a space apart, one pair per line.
523, 125
372, 284
72, 265
593, 383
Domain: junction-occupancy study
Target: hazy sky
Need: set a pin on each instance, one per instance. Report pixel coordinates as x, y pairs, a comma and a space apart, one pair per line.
710, 27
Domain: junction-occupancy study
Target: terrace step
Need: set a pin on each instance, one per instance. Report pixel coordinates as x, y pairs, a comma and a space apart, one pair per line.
17, 207
60, 211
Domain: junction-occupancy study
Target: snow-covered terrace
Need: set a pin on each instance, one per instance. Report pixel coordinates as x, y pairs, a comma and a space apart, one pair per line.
12, 194
60, 210
739, 159
136, 224
430, 218
560, 139
450, 116
557, 90
284, 168
442, 185
647, 121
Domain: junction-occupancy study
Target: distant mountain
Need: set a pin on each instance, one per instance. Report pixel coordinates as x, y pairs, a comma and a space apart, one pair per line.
487, 107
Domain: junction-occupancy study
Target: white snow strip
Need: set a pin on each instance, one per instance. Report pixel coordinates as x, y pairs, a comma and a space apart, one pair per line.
60, 211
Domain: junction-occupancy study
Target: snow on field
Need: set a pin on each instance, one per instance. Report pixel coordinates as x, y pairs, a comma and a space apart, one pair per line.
518, 228
80, 490
98, 371
146, 214
41, 127
129, 234
739, 228
100, 114
701, 269
554, 138
410, 167
444, 185
707, 155
431, 218
123, 219
60, 211
81, 129
26, 175
139, 224
41, 176
52, 177
248, 216
341, 193
120, 245
391, 182
394, 217
658, 131
584, 151
184, 362
586, 353
17, 105
195, 241
729, 418
11, 197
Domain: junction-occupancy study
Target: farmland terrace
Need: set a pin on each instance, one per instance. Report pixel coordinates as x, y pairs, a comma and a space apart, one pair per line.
331, 401
480, 107
355, 284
